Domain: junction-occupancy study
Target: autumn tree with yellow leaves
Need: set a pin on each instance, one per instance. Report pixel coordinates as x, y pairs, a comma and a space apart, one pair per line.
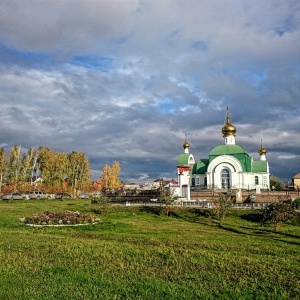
110, 176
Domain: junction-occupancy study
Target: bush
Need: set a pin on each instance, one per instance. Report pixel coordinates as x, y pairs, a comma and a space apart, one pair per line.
221, 205
101, 205
296, 203
277, 213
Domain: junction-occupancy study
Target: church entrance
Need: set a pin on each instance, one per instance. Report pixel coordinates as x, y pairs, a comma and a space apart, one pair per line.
225, 179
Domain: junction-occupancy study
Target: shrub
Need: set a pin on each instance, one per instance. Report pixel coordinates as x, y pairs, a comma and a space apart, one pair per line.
296, 203
277, 213
167, 198
101, 205
221, 205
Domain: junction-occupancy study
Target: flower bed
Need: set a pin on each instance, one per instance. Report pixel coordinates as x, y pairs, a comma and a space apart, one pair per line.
64, 218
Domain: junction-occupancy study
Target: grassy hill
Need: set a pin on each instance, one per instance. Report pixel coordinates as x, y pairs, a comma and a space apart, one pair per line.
139, 253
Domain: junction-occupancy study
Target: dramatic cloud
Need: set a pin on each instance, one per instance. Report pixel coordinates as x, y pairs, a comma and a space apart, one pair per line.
127, 80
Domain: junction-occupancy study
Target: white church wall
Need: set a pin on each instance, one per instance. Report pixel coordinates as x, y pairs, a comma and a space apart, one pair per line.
250, 184
198, 179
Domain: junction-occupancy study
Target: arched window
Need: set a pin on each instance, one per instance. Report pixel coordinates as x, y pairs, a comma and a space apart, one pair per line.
225, 179
256, 180
193, 181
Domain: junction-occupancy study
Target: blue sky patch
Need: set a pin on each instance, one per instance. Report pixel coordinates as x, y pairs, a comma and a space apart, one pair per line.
100, 63
12, 56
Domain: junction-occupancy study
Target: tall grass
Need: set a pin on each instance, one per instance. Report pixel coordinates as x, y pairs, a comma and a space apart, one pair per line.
138, 253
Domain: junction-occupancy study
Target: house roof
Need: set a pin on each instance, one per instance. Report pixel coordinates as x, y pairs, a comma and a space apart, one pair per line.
297, 176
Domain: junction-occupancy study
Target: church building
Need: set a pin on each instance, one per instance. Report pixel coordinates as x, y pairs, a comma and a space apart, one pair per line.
228, 166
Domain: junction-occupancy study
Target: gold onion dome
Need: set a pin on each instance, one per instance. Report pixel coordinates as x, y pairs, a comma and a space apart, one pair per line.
228, 128
262, 150
186, 144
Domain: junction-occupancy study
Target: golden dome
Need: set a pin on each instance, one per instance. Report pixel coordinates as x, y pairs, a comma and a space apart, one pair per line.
186, 144
262, 150
228, 129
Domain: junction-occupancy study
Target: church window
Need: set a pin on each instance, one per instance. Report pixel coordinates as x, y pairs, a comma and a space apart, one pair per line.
256, 180
225, 179
193, 181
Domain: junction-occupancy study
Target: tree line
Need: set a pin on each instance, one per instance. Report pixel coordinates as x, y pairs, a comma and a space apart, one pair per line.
43, 168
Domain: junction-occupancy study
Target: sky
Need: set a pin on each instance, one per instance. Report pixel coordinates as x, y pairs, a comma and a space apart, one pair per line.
128, 80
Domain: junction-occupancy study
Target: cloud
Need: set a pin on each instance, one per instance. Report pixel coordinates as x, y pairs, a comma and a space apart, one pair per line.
127, 80
64, 27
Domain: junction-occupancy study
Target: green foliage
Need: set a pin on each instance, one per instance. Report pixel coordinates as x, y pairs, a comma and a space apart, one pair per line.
167, 198
137, 254
296, 203
221, 205
277, 213
277, 183
101, 205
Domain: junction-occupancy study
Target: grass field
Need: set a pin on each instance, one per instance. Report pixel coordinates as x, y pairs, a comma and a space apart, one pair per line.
137, 253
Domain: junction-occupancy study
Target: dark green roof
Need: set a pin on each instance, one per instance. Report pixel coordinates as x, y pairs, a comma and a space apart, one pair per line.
259, 166
201, 166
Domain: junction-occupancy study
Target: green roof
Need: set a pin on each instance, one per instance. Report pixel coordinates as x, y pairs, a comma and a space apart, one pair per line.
259, 166
201, 166
234, 150
183, 159
227, 150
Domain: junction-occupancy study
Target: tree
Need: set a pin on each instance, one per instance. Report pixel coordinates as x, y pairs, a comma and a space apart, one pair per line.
57, 169
167, 198
277, 213
276, 183
221, 205
27, 166
43, 164
14, 166
78, 171
3, 164
110, 176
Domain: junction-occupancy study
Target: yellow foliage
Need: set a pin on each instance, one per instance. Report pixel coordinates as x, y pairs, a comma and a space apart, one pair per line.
110, 176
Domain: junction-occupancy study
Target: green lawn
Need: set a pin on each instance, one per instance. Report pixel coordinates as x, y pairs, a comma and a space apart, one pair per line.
137, 253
